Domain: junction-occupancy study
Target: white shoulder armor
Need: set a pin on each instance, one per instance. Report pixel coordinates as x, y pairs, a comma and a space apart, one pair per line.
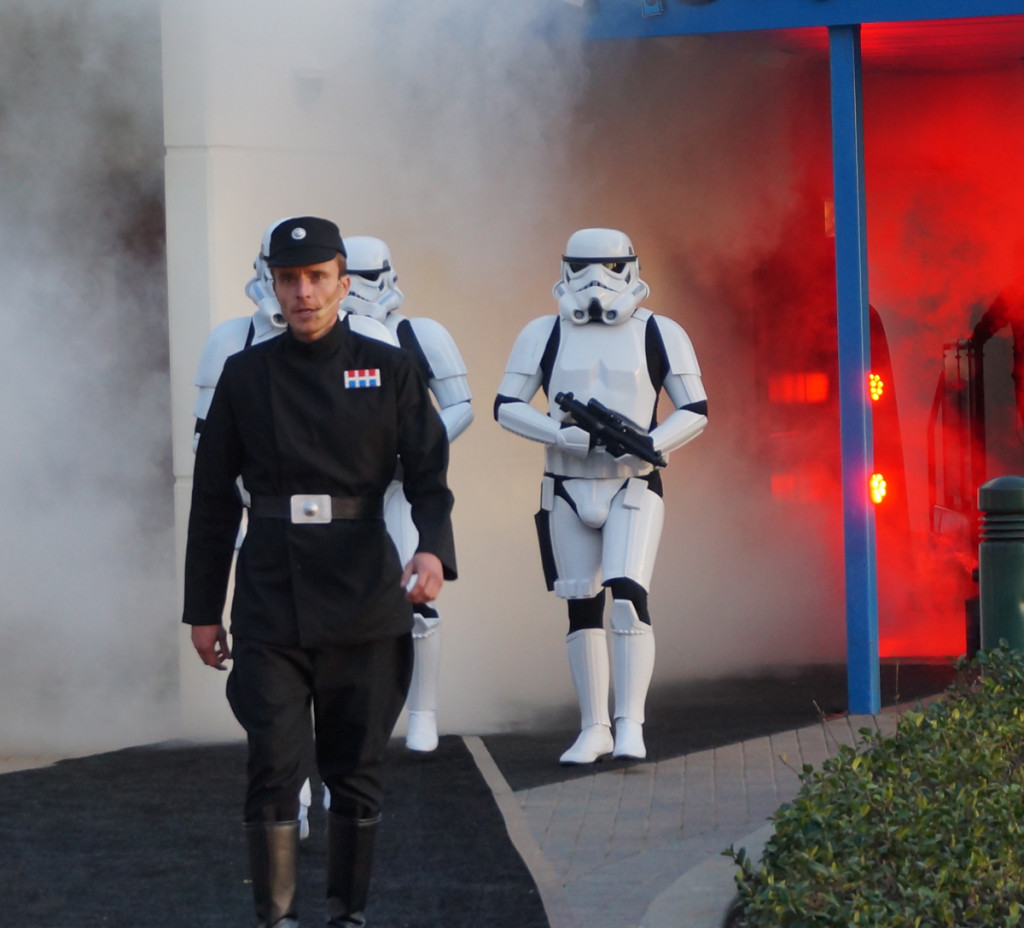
439, 348
529, 347
370, 328
226, 339
393, 320
684, 387
678, 348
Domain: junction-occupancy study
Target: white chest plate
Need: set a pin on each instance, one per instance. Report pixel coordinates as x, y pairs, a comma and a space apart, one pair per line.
607, 363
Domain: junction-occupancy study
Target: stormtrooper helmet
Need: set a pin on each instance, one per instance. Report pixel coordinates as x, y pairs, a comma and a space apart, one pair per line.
374, 291
260, 288
600, 278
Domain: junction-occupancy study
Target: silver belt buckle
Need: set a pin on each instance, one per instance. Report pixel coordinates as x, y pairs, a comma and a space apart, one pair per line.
311, 508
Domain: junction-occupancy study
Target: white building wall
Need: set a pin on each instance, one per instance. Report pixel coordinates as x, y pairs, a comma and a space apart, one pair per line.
442, 136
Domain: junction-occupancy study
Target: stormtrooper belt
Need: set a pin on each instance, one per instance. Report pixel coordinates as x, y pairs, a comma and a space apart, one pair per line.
316, 508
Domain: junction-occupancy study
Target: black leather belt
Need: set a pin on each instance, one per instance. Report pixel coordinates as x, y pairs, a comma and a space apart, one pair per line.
316, 508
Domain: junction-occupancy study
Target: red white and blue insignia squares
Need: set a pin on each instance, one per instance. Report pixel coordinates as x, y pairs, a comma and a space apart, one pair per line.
364, 377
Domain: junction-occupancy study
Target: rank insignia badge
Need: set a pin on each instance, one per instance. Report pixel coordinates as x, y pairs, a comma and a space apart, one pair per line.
367, 377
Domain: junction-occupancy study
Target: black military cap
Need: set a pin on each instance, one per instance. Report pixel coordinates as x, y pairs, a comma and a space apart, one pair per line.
304, 240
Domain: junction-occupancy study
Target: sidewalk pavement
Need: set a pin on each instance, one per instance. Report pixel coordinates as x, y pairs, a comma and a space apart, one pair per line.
12, 763
641, 846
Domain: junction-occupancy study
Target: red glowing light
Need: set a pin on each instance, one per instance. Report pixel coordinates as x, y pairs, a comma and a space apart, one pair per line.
809, 485
878, 489
876, 387
809, 387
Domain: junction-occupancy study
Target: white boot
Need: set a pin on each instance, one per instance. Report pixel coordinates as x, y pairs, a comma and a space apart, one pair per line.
588, 662
632, 666
305, 798
421, 734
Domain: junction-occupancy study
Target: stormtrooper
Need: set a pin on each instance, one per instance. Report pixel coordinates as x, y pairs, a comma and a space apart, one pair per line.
234, 335
374, 293
602, 362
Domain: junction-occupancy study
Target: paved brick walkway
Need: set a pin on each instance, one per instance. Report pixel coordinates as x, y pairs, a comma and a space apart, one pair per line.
640, 847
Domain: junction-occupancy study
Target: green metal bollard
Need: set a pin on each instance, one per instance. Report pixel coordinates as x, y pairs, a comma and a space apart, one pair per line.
1001, 562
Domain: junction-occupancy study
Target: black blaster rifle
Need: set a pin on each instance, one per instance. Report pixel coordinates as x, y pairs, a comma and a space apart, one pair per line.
609, 429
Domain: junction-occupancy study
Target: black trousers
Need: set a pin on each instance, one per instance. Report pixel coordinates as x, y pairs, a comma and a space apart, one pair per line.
356, 694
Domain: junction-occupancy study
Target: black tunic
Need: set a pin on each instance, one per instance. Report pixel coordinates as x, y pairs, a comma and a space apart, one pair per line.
283, 418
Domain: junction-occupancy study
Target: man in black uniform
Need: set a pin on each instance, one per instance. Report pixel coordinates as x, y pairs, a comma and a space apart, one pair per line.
314, 422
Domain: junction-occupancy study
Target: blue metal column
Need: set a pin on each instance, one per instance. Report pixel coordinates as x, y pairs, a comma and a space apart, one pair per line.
854, 365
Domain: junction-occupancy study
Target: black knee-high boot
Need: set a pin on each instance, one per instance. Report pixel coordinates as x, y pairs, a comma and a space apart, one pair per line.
273, 853
350, 843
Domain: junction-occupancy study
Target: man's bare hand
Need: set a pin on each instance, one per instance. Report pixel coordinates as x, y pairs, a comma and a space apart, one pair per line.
429, 574
211, 643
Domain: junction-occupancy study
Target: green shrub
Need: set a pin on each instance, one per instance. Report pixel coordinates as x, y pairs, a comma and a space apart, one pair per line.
922, 828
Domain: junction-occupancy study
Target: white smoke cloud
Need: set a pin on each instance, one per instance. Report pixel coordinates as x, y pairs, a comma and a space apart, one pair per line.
85, 541
474, 144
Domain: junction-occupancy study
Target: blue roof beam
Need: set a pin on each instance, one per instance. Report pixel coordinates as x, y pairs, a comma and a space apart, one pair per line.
621, 19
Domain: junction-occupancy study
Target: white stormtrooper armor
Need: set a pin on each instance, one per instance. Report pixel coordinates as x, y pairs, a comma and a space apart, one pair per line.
234, 335
238, 334
602, 512
374, 293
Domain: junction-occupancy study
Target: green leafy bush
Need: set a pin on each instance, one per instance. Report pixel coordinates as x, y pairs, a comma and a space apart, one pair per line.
922, 828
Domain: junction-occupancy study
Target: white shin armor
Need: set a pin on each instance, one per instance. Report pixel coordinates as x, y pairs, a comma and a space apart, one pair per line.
588, 663
305, 801
421, 734
632, 668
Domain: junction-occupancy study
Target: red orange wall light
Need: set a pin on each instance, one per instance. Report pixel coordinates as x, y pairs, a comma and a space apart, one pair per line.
876, 485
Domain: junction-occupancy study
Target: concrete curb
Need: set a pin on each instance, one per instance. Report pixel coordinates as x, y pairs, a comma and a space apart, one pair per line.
700, 897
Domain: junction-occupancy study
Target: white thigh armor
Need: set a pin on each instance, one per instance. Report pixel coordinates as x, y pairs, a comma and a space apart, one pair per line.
576, 550
632, 534
610, 530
